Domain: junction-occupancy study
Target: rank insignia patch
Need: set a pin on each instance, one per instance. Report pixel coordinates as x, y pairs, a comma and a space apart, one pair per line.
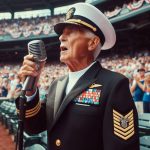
123, 125
89, 96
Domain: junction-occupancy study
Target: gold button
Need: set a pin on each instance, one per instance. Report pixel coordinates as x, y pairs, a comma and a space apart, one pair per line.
58, 142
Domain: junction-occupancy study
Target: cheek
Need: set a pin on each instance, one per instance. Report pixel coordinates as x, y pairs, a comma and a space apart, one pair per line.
79, 47
82, 45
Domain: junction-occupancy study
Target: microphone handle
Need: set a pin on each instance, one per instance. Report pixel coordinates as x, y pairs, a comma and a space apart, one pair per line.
28, 84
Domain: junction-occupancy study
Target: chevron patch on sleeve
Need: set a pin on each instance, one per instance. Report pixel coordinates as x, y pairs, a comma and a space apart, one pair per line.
123, 125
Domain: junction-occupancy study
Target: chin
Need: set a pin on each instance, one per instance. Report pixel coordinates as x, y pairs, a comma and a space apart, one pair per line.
62, 59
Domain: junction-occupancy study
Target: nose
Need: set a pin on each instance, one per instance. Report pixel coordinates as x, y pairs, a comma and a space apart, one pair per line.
62, 37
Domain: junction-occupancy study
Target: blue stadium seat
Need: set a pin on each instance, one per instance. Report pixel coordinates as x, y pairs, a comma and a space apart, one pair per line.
144, 124
145, 141
34, 143
144, 148
36, 147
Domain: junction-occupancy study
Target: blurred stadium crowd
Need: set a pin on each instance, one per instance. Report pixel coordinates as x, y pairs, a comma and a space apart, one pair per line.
135, 68
16, 28
26, 27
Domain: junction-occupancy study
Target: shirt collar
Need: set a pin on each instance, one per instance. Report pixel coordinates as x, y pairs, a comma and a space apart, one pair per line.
77, 74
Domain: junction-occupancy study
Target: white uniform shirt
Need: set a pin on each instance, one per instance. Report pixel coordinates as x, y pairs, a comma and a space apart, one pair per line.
74, 77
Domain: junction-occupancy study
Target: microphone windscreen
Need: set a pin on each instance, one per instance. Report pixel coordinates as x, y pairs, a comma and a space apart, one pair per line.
37, 49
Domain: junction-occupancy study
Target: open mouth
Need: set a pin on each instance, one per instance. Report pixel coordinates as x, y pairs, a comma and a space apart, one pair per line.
63, 48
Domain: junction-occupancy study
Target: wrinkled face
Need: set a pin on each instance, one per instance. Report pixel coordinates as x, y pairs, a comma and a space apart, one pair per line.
73, 44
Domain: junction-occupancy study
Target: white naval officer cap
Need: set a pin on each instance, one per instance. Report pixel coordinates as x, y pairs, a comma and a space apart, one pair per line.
90, 17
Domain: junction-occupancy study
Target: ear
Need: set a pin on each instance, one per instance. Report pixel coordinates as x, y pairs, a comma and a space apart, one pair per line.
93, 43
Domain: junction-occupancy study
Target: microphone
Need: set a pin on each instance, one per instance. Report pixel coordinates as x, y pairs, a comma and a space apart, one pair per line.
37, 49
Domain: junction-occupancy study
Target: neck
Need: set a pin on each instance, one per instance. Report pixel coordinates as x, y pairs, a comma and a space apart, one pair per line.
79, 65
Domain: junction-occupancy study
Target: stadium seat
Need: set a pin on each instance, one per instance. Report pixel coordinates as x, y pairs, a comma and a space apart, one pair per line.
144, 124
145, 141
12, 123
144, 148
43, 137
36, 147
34, 143
5, 107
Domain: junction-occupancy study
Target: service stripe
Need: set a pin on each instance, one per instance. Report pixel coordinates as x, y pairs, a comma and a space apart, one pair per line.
116, 116
116, 119
116, 122
33, 114
124, 137
28, 113
116, 113
122, 129
124, 133
32, 109
130, 113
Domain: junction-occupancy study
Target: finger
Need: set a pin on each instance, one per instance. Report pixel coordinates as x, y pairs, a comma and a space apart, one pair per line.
29, 63
21, 76
28, 68
25, 73
29, 57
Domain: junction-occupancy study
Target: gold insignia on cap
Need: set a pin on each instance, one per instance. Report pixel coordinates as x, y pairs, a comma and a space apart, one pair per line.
123, 125
95, 85
70, 13
81, 22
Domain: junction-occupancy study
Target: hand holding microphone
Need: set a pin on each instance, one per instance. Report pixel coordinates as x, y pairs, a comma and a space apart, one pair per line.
32, 66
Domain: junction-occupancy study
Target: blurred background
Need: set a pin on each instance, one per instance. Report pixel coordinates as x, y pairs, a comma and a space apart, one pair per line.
24, 20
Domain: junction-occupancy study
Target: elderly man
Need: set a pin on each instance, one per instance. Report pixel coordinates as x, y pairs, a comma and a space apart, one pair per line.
91, 108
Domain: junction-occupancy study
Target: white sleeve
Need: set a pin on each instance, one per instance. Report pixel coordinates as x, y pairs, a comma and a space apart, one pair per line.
30, 98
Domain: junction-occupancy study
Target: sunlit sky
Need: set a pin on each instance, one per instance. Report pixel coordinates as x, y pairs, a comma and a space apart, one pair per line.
37, 13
